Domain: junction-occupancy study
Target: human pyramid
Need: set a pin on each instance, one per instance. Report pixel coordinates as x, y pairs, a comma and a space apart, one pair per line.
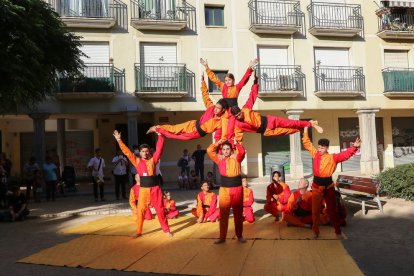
229, 122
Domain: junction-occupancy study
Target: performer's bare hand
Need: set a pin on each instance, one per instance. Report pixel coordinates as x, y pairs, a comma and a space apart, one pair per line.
117, 135
276, 197
357, 142
316, 126
253, 63
204, 62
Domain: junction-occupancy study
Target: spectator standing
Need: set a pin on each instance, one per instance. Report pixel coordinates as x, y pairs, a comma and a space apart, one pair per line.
7, 164
96, 166
184, 163
198, 157
120, 164
29, 175
51, 177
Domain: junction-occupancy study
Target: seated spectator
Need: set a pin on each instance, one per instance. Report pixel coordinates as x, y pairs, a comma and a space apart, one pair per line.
169, 206
18, 205
194, 180
182, 181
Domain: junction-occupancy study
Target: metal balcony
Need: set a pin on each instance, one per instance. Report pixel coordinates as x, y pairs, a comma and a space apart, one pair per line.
99, 14
337, 81
99, 81
335, 19
167, 15
398, 82
281, 81
275, 17
395, 25
154, 80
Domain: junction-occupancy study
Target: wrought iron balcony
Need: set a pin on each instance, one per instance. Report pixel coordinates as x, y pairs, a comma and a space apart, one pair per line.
275, 17
98, 81
335, 19
395, 25
398, 82
170, 15
101, 14
160, 80
280, 81
339, 81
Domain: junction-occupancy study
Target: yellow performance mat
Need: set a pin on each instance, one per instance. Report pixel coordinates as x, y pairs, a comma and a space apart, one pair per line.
272, 248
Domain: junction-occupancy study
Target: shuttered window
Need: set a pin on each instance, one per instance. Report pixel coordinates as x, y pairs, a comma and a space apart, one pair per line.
332, 57
97, 52
158, 53
273, 55
396, 59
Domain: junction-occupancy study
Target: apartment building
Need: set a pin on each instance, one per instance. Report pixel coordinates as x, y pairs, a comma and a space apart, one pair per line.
347, 64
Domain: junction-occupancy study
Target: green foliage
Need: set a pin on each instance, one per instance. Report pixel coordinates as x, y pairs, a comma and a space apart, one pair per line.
398, 182
34, 45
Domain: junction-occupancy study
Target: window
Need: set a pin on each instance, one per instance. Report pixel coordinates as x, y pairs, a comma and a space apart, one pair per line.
211, 86
396, 59
214, 16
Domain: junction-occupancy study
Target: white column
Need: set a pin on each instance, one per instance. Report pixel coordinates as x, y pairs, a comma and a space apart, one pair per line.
39, 135
132, 128
367, 131
296, 164
61, 142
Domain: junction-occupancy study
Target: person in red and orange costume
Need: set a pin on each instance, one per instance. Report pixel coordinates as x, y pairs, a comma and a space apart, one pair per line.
277, 196
231, 189
230, 92
299, 207
248, 201
169, 206
324, 165
206, 209
133, 201
214, 118
150, 190
248, 120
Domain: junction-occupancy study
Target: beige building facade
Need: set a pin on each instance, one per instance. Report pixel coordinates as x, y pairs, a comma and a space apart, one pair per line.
346, 64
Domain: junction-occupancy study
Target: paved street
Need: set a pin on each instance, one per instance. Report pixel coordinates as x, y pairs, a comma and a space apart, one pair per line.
380, 244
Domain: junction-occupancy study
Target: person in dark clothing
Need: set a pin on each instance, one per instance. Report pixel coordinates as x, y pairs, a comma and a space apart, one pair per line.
198, 157
17, 205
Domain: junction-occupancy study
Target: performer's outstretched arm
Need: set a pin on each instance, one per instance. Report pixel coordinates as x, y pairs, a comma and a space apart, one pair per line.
211, 151
307, 144
346, 154
204, 91
128, 153
159, 148
253, 95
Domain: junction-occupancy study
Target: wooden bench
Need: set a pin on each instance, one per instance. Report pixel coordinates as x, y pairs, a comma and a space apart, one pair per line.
362, 189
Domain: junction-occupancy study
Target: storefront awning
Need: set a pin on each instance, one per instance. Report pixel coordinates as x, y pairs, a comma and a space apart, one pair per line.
405, 3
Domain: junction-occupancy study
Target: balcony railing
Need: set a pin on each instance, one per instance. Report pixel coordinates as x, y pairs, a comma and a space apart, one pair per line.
395, 25
91, 13
163, 80
398, 82
337, 81
97, 78
280, 17
335, 19
163, 15
280, 81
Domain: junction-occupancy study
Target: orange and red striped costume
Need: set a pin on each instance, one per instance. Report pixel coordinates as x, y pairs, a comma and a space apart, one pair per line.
150, 191
248, 201
170, 209
206, 206
133, 202
207, 124
322, 186
231, 189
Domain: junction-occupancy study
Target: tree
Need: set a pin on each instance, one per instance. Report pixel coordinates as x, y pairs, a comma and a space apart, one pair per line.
34, 46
